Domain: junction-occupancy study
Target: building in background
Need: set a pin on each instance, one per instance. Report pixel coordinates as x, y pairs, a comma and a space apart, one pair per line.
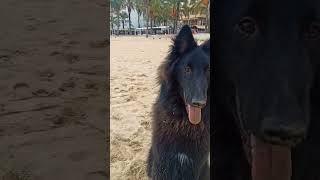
196, 15
196, 21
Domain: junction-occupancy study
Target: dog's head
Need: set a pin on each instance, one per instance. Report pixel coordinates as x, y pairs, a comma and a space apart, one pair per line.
265, 50
186, 72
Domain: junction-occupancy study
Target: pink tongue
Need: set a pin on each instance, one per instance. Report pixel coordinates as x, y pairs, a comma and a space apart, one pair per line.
194, 114
270, 162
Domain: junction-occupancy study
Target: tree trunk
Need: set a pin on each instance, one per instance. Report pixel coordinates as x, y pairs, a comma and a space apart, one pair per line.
175, 28
129, 13
147, 31
118, 22
139, 14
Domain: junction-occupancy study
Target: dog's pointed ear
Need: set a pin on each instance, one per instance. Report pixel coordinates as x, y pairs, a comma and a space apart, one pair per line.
184, 41
206, 46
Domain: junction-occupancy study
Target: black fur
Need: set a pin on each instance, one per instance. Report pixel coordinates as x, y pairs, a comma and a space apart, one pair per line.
268, 76
180, 149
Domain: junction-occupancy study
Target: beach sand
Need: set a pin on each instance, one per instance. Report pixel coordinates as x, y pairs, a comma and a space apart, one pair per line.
133, 86
134, 62
53, 90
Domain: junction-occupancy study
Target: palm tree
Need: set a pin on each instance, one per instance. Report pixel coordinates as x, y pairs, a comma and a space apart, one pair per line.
176, 12
146, 9
155, 8
123, 18
139, 6
130, 6
116, 6
202, 7
113, 21
187, 9
164, 13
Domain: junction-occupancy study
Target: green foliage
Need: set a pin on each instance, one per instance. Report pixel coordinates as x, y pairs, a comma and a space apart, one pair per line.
159, 11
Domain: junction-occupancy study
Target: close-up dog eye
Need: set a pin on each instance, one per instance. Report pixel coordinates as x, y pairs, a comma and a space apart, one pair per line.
187, 69
313, 32
247, 27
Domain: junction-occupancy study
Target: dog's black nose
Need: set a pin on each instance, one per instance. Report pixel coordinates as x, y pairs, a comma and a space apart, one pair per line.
198, 102
284, 132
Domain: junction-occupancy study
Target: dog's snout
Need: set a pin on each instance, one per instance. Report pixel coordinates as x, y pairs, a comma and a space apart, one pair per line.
198, 102
294, 132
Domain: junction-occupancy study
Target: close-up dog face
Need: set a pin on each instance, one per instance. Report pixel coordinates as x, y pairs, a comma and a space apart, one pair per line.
193, 72
189, 66
194, 76
267, 50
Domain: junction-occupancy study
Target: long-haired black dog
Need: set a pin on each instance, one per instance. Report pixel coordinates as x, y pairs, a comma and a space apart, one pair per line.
181, 114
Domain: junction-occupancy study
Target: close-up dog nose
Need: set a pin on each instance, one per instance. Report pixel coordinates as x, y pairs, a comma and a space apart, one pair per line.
285, 132
198, 102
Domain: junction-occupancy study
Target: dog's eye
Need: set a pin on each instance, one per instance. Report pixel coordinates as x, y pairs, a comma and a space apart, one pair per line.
247, 27
313, 31
187, 69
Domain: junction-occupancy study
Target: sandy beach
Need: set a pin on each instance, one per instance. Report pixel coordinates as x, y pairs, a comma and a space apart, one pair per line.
53, 90
134, 62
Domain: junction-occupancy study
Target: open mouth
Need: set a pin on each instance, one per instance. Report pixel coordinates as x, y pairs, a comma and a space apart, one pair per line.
194, 114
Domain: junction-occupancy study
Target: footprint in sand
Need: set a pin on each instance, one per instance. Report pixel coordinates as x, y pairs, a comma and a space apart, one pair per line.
57, 121
69, 84
142, 75
30, 28
44, 93
5, 60
146, 125
116, 117
4, 57
21, 91
20, 85
55, 53
46, 75
72, 58
131, 98
136, 146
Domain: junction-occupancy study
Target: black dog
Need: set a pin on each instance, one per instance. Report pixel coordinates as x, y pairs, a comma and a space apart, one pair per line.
181, 114
267, 55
